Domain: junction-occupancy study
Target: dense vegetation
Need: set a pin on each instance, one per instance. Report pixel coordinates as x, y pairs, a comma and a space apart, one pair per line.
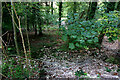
30, 31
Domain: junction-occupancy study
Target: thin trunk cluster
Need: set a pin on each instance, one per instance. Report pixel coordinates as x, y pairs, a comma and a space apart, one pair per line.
14, 29
60, 13
52, 8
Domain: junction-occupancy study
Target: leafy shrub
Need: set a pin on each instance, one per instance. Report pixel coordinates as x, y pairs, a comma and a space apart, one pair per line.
11, 70
86, 34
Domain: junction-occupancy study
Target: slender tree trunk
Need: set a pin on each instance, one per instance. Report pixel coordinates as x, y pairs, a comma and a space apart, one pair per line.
75, 7
0, 35
118, 6
28, 24
14, 28
47, 12
88, 10
27, 36
23, 42
40, 30
110, 6
91, 10
60, 13
52, 7
47, 6
35, 26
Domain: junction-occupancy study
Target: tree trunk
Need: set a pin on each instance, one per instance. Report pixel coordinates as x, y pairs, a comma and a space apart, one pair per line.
0, 35
14, 28
110, 6
75, 7
91, 10
52, 8
23, 42
60, 13
27, 35
28, 24
35, 27
47, 6
118, 6
40, 30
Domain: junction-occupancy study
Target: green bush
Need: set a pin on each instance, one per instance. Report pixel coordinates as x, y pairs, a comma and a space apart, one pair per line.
86, 34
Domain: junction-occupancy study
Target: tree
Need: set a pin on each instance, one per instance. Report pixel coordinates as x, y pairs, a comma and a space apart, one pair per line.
91, 10
26, 29
14, 29
52, 8
60, 13
110, 6
0, 34
75, 7
0, 20
118, 6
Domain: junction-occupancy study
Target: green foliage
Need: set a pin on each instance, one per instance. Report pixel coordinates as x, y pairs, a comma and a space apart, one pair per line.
14, 71
85, 34
80, 34
107, 69
112, 60
80, 73
118, 70
110, 20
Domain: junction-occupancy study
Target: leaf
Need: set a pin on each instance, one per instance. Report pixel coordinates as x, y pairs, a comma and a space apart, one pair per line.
77, 44
82, 41
107, 69
86, 47
71, 46
9, 48
73, 36
64, 37
96, 39
107, 34
89, 41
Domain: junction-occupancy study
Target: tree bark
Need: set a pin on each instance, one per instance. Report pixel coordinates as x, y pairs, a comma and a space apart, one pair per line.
91, 10
52, 8
23, 43
35, 27
118, 6
40, 30
0, 35
110, 6
47, 6
14, 29
60, 13
75, 7
27, 35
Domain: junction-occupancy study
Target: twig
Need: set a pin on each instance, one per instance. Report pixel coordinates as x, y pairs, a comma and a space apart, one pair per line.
3, 41
5, 33
3, 75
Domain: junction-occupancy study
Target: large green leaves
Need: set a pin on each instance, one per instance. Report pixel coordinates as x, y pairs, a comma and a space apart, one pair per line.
85, 34
71, 46
64, 37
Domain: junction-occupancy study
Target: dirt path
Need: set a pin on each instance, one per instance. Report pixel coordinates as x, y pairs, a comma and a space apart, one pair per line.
62, 64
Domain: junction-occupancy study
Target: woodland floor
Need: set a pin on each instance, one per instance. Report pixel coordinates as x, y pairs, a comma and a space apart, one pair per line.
58, 62
51, 58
